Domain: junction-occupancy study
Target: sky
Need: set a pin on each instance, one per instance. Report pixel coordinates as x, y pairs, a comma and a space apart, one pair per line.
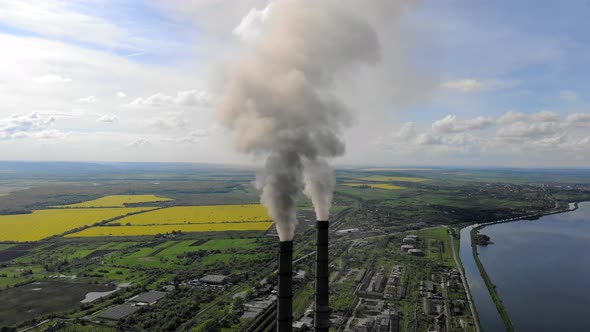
460, 83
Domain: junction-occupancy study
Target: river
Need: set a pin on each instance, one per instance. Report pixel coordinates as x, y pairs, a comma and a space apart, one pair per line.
541, 269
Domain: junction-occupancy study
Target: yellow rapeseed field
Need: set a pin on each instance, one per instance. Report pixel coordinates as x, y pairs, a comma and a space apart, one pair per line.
117, 201
45, 223
162, 229
199, 215
375, 185
394, 178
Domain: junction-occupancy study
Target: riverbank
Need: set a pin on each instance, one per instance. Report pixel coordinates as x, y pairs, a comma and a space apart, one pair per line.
459, 264
488, 282
484, 275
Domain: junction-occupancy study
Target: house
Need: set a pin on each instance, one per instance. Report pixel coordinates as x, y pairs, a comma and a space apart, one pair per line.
415, 252
406, 247
214, 279
148, 298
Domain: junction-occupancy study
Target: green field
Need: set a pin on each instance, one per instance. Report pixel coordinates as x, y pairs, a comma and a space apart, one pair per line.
437, 245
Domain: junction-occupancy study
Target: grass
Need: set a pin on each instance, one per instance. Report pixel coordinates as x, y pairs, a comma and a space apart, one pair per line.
168, 255
164, 229
6, 246
81, 253
116, 245
375, 186
45, 223
302, 300
200, 214
217, 244
117, 201
43, 297
11, 276
394, 178
437, 245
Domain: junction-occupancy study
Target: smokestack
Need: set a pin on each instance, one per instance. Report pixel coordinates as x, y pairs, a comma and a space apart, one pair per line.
322, 274
285, 294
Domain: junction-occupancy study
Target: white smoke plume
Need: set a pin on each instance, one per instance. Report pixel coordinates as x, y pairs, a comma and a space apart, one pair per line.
279, 100
319, 186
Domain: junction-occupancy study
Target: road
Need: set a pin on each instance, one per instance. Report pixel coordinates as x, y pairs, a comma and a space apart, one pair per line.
465, 285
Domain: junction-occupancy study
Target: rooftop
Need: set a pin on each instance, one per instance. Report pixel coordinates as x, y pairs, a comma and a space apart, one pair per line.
148, 297
214, 278
119, 312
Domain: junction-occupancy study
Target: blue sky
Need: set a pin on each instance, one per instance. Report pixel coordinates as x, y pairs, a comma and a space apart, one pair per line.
472, 83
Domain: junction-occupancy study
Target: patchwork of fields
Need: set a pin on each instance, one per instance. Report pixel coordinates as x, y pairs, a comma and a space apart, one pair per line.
45, 223
163, 229
375, 186
381, 178
187, 219
382, 182
199, 215
174, 254
117, 201
137, 221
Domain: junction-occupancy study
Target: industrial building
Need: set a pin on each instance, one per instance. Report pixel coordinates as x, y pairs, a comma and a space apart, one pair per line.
148, 298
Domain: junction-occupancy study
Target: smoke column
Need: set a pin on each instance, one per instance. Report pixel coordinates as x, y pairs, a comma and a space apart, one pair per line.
279, 101
319, 186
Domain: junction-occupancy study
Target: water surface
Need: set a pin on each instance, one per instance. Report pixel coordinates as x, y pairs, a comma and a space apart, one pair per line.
542, 272
489, 317
93, 296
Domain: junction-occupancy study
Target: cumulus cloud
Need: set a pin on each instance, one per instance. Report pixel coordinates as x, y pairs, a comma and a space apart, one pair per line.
138, 143
108, 118
568, 95
514, 132
543, 116
88, 100
27, 125
48, 134
469, 85
578, 119
52, 78
182, 98
529, 130
253, 25
450, 124
121, 94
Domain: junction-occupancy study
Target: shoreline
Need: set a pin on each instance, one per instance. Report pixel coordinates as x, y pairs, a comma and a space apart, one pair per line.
484, 275
490, 286
459, 264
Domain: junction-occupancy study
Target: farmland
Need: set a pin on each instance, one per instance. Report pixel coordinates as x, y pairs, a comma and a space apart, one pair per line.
199, 214
186, 219
381, 178
165, 229
45, 223
375, 186
43, 297
213, 225
174, 255
117, 201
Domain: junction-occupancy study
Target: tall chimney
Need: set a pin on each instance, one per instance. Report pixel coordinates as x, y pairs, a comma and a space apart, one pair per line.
322, 288
285, 294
